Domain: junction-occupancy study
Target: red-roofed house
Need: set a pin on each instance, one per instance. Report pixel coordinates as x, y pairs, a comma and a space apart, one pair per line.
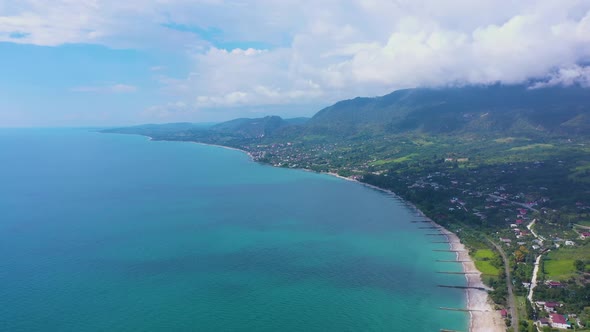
553, 284
585, 235
559, 321
518, 221
551, 306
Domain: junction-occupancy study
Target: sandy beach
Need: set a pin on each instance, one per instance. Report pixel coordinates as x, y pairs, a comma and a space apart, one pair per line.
483, 317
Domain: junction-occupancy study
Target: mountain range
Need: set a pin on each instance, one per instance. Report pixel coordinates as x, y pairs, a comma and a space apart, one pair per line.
495, 110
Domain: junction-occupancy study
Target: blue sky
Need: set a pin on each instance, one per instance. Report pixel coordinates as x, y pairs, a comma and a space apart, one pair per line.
106, 62
81, 84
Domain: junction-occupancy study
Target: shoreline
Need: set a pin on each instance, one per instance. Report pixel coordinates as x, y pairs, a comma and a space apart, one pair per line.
482, 316
200, 143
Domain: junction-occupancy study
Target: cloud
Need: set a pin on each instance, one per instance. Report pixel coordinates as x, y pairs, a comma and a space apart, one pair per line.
115, 88
317, 53
122, 88
40, 23
333, 58
421, 52
566, 77
168, 112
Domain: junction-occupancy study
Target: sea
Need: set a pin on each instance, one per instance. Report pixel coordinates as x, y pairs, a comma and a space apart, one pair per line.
109, 232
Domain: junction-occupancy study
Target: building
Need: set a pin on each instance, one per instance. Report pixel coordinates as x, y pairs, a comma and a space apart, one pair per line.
585, 235
551, 306
558, 321
553, 284
543, 322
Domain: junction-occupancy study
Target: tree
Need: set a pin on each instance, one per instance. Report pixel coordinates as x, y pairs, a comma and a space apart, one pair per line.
519, 255
579, 265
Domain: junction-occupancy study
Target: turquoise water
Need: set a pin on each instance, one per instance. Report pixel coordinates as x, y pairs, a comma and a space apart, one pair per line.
102, 232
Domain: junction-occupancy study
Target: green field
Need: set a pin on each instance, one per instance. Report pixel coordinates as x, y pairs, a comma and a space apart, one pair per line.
482, 259
505, 140
486, 267
532, 146
559, 264
521, 306
393, 160
559, 269
580, 251
483, 254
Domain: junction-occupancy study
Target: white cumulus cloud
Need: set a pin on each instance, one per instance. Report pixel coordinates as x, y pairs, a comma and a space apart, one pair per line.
115, 88
566, 77
309, 52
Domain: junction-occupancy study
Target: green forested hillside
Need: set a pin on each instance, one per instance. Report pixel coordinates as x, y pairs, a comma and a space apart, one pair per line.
485, 110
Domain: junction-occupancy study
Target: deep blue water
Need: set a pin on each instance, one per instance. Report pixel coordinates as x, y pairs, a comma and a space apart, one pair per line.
104, 232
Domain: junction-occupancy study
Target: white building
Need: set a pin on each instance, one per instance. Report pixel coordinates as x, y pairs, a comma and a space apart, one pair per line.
558, 321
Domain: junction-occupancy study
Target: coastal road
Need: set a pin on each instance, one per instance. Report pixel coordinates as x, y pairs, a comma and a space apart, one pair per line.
511, 300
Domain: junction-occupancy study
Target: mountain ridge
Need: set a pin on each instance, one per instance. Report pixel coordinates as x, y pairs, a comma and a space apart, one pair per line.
475, 111
448, 110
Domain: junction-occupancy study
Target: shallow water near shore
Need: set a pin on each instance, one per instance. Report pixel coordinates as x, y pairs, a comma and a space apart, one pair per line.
115, 232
